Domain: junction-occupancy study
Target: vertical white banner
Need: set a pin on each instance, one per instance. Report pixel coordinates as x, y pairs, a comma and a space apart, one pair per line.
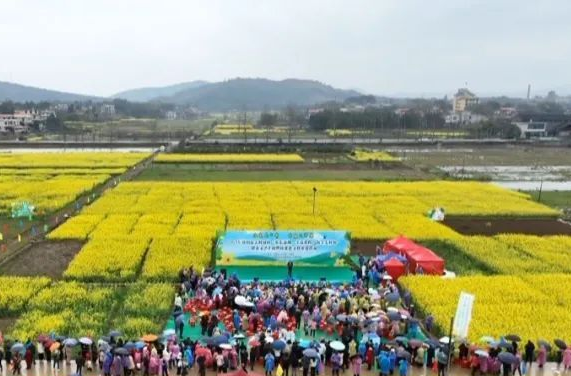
463, 315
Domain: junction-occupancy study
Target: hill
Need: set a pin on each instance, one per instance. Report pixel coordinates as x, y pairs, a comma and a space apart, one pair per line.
257, 94
151, 93
22, 93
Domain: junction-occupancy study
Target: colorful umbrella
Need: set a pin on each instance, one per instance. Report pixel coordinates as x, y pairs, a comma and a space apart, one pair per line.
337, 345
149, 338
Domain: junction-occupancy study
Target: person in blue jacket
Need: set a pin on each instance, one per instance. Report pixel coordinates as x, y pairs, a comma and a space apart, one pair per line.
269, 363
403, 367
384, 364
392, 360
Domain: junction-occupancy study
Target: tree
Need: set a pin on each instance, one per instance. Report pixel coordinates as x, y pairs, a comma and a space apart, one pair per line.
268, 119
54, 124
7, 107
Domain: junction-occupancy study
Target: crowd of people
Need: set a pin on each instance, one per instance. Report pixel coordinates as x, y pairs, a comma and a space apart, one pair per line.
288, 328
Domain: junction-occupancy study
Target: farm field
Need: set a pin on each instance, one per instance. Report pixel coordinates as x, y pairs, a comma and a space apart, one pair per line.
49, 181
228, 158
137, 236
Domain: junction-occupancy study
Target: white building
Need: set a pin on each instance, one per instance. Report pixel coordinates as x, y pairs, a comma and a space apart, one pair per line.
171, 115
13, 123
107, 109
464, 118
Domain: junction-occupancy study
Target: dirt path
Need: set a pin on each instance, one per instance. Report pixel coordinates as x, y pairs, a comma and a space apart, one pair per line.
45, 258
491, 226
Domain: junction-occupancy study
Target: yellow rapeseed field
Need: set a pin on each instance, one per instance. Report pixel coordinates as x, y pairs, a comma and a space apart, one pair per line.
526, 305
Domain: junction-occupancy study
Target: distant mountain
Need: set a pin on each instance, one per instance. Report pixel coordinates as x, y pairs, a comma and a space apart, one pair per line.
257, 94
21, 93
150, 93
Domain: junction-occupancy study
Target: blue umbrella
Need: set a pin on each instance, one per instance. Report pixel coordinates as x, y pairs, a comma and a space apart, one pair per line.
304, 343
17, 347
121, 351
140, 345
394, 316
129, 345
506, 357
392, 297
115, 333
279, 345
208, 341
218, 340
70, 342
310, 353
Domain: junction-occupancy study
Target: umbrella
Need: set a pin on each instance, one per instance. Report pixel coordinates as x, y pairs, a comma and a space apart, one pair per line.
149, 338
487, 339
140, 345
279, 345
121, 351
394, 316
55, 346
85, 341
446, 340
392, 297
392, 309
387, 277
401, 339
513, 337
433, 343
560, 343
208, 341
310, 353
17, 347
337, 345
481, 353
225, 346
269, 339
169, 332
70, 342
341, 317
130, 346
239, 336
545, 344
43, 338
403, 354
304, 343
507, 357
115, 333
414, 343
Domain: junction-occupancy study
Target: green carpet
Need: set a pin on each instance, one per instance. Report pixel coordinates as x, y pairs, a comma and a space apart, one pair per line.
300, 273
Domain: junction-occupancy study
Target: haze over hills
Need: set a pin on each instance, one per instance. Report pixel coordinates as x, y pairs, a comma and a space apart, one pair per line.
150, 93
257, 93
22, 93
234, 94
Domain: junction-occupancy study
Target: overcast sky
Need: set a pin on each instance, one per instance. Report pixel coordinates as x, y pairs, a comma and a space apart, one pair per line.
399, 47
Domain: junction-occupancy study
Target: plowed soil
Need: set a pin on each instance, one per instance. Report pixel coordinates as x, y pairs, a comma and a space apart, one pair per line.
45, 258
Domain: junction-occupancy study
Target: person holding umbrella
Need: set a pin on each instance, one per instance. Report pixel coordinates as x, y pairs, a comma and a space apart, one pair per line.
356, 363
567, 359
336, 362
541, 356
529, 350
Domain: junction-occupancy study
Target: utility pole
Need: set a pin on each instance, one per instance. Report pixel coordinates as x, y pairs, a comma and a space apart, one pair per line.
314, 193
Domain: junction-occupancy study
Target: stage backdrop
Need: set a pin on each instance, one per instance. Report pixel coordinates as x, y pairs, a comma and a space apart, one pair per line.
276, 248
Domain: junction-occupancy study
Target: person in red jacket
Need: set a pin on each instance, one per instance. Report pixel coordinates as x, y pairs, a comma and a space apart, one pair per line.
370, 357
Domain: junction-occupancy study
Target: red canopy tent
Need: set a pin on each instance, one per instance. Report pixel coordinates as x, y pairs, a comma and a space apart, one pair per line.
416, 255
394, 268
423, 257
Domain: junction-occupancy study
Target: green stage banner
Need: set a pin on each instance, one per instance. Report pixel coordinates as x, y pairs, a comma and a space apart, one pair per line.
303, 248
